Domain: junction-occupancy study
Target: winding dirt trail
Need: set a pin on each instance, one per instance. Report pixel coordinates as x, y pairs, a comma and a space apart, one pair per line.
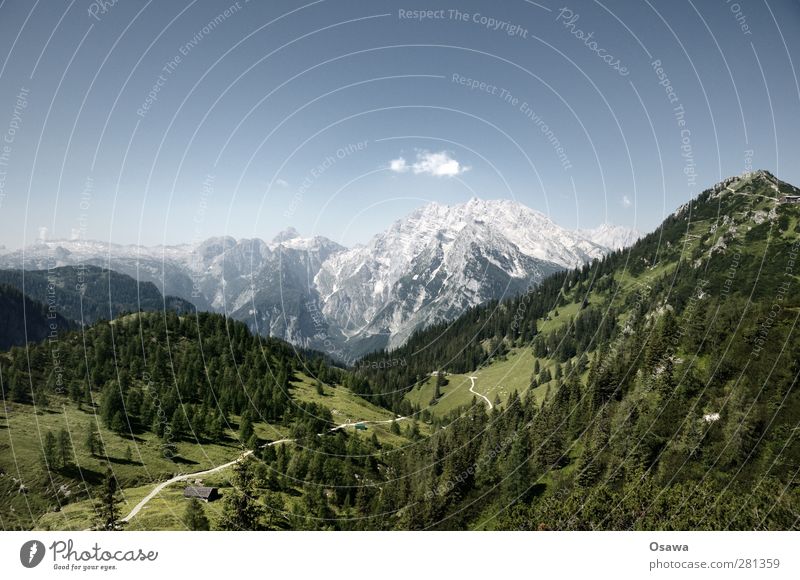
474, 392
183, 477
354, 423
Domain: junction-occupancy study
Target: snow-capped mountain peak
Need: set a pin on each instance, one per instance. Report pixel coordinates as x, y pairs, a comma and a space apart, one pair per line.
426, 267
288, 234
440, 260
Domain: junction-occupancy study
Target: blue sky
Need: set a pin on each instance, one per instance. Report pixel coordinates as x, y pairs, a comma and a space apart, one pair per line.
173, 122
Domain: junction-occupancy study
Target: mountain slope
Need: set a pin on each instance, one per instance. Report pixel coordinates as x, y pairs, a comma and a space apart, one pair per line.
426, 268
653, 389
736, 214
23, 320
168, 394
89, 293
441, 260
661, 393
239, 278
168, 267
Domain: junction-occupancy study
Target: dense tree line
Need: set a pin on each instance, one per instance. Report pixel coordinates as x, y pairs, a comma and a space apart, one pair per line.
673, 404
179, 377
671, 397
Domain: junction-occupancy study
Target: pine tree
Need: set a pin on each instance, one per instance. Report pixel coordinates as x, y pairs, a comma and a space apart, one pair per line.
41, 398
240, 509
178, 425
588, 468
94, 445
267, 455
533, 329
19, 390
216, 430
253, 443
76, 393
274, 510
195, 516
50, 452
583, 363
112, 405
117, 424
107, 508
65, 448
246, 429
316, 504
518, 468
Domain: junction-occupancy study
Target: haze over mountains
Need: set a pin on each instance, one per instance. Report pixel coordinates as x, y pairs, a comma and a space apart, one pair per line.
426, 268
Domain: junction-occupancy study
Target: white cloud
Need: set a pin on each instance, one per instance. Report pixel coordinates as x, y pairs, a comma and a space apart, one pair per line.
626, 201
437, 164
281, 183
440, 164
398, 165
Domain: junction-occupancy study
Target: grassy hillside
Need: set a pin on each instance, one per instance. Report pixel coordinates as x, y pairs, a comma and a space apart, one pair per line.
57, 499
21, 442
152, 396
653, 389
496, 380
670, 369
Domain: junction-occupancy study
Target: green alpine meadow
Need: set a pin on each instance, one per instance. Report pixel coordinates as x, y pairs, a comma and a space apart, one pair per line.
650, 387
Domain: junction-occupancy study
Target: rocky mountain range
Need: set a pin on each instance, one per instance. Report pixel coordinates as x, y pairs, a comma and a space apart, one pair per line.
426, 268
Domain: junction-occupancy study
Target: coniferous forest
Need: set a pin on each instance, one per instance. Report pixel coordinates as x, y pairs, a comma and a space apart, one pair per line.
653, 389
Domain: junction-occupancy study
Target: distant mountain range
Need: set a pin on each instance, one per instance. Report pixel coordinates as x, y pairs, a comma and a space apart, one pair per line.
426, 268
38, 304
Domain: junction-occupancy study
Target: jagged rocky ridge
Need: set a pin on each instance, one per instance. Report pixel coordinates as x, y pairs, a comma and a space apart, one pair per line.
427, 267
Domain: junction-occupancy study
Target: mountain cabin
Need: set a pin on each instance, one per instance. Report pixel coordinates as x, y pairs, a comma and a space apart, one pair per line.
206, 494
